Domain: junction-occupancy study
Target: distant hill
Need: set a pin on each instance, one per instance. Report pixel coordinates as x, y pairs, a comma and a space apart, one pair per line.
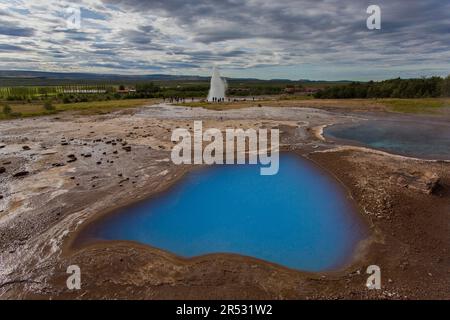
76, 76
40, 78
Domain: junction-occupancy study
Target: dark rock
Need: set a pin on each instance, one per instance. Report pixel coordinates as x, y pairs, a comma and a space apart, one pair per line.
26, 148
2, 146
2, 170
87, 155
1, 197
58, 164
426, 182
72, 158
20, 174
127, 148
431, 182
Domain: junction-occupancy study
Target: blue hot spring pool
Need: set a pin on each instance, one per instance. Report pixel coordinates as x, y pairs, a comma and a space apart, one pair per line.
421, 139
299, 218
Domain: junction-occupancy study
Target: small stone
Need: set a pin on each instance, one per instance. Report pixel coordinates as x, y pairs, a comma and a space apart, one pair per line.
127, 148
2, 170
26, 148
20, 174
58, 164
72, 158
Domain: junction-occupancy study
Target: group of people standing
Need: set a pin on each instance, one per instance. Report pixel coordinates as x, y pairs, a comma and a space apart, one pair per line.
215, 99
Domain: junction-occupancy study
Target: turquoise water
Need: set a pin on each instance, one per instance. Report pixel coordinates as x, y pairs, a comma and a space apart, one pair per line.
298, 218
425, 140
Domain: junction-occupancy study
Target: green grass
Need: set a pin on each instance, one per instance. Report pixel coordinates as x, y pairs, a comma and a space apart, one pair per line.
430, 106
85, 108
412, 106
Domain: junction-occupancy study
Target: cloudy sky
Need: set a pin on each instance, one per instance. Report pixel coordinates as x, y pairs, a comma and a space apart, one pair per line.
295, 39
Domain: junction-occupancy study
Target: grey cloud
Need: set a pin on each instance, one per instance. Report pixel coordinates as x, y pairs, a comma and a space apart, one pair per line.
6, 28
241, 34
8, 47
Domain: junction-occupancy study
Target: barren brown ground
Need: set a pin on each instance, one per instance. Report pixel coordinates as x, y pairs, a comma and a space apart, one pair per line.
42, 212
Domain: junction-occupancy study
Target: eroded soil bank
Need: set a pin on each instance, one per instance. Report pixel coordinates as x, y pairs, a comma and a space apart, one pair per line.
60, 172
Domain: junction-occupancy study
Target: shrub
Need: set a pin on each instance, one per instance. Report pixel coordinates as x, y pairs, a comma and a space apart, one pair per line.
49, 106
7, 109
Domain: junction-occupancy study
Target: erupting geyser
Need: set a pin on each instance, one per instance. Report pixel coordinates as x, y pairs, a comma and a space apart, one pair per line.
217, 88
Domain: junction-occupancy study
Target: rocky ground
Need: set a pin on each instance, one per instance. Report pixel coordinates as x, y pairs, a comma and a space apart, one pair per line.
59, 173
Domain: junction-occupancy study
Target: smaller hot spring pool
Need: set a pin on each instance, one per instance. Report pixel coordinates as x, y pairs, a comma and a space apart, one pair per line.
426, 139
300, 218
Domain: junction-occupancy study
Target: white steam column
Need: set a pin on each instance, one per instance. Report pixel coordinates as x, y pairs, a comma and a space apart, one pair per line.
217, 88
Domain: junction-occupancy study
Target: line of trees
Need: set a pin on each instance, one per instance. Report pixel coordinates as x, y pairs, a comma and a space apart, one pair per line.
395, 88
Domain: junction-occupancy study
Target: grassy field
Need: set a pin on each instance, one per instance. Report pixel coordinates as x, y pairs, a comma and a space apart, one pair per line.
430, 106
413, 106
97, 107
